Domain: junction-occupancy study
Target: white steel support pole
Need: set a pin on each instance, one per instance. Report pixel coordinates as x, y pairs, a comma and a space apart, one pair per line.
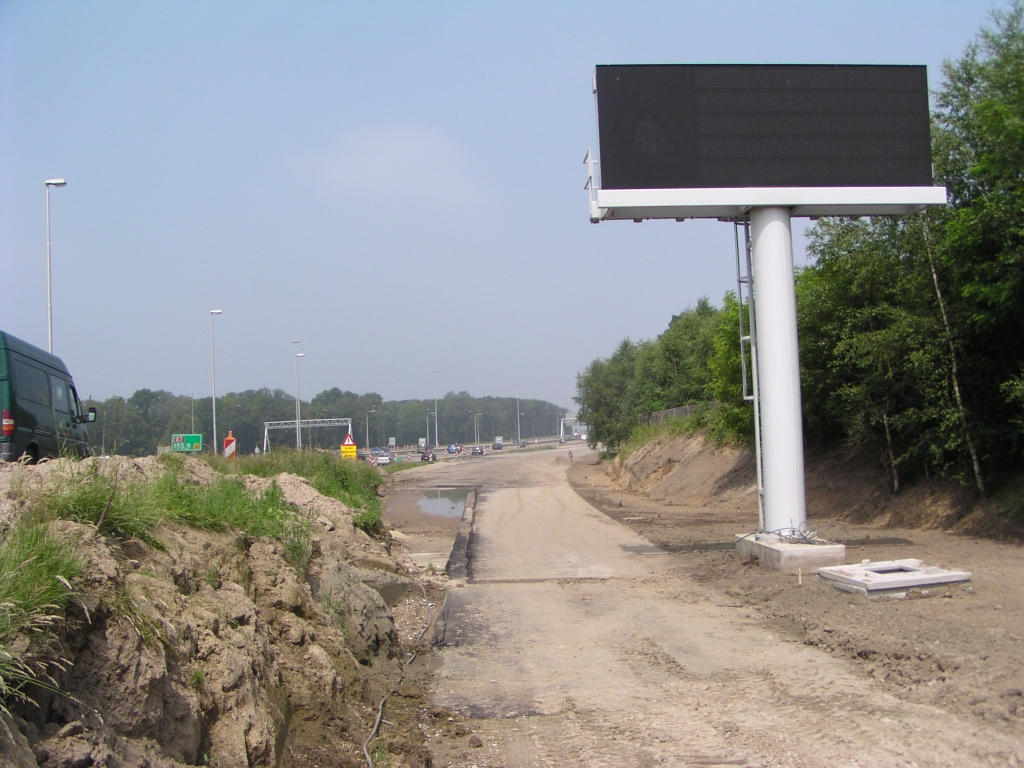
49, 303
778, 362
213, 374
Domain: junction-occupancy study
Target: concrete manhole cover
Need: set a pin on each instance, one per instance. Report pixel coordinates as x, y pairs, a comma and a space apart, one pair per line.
891, 578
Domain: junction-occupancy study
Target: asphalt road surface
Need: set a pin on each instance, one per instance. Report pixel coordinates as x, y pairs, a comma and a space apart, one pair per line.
572, 641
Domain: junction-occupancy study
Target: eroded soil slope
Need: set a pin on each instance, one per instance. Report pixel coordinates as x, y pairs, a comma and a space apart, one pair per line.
209, 648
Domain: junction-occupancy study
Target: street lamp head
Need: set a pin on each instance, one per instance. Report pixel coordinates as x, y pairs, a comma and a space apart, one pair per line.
216, 311
300, 354
55, 183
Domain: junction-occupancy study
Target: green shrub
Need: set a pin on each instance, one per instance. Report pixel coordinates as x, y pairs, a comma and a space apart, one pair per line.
725, 423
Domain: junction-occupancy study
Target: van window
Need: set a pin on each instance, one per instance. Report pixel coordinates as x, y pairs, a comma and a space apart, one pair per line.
59, 389
76, 407
31, 383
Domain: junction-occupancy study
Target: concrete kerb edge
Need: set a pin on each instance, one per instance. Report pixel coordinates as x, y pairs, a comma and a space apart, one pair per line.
459, 565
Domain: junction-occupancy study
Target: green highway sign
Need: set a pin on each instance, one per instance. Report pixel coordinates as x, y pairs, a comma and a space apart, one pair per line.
186, 443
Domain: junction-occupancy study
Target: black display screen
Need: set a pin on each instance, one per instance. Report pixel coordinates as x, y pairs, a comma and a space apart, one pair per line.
763, 125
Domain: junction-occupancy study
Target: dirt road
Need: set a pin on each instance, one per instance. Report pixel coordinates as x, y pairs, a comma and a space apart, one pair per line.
573, 641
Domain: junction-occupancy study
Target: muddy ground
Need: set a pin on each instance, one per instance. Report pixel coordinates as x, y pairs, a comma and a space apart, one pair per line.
958, 649
571, 641
933, 679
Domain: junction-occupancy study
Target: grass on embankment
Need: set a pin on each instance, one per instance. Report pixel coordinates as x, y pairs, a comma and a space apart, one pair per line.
35, 584
130, 507
354, 483
36, 568
722, 424
645, 434
398, 466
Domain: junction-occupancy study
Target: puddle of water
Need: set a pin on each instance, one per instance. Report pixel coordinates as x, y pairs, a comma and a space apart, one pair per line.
444, 502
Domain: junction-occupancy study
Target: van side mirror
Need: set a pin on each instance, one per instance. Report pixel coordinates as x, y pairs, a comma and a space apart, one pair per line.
90, 417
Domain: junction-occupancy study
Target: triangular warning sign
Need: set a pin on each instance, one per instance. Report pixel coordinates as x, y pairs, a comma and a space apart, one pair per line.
348, 440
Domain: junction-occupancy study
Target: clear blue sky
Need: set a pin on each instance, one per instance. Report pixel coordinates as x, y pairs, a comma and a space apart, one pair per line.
399, 185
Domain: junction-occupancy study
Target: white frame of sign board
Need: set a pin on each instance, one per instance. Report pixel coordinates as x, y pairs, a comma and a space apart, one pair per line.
662, 134
736, 202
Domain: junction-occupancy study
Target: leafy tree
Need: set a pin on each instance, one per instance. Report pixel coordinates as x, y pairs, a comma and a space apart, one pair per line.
673, 370
979, 243
912, 334
731, 418
874, 365
606, 395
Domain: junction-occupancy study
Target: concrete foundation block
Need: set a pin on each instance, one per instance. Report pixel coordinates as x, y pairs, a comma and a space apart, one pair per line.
773, 552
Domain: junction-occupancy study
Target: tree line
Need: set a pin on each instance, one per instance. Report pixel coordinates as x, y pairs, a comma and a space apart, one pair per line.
911, 329
138, 425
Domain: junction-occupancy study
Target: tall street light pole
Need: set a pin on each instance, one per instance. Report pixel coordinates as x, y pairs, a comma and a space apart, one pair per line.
429, 414
476, 427
437, 434
372, 410
298, 404
213, 370
519, 431
298, 408
49, 304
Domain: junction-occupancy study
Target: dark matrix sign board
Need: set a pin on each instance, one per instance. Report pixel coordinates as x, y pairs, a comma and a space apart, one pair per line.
679, 126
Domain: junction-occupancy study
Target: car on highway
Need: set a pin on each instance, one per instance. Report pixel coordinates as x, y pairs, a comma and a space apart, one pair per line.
496, 447
427, 455
477, 450
383, 460
523, 444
